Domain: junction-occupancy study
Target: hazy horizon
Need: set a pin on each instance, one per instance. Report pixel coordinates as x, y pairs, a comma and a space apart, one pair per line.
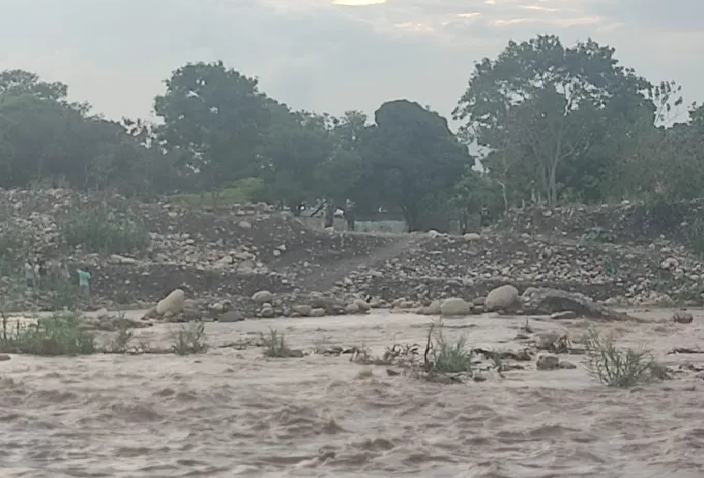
329, 55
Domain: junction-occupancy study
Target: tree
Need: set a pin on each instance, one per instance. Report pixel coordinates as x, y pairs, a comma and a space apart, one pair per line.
414, 161
338, 176
547, 103
216, 119
21, 82
296, 144
44, 138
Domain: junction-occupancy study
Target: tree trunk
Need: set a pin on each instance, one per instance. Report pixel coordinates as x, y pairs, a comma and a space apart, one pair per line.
329, 213
411, 219
552, 184
504, 195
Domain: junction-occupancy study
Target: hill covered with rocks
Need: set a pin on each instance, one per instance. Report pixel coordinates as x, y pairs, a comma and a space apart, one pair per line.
138, 253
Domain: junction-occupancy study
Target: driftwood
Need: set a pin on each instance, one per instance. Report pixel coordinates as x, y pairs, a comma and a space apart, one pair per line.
543, 301
685, 350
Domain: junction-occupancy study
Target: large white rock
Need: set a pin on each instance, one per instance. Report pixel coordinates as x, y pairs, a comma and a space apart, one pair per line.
262, 297
172, 304
435, 308
502, 298
455, 306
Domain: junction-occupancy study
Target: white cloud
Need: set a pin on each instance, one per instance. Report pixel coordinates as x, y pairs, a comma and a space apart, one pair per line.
326, 54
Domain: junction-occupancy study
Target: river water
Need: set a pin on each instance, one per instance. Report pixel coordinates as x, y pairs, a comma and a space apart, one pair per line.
233, 412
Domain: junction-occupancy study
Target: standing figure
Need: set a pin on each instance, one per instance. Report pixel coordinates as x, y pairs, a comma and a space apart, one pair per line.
349, 214
84, 283
29, 274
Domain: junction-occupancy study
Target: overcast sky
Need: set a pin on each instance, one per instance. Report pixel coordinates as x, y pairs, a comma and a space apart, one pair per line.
324, 55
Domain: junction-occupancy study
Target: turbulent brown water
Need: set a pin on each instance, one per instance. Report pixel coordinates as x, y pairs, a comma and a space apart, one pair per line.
234, 413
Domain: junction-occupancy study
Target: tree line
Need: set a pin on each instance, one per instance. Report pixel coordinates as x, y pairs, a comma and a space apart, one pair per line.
547, 122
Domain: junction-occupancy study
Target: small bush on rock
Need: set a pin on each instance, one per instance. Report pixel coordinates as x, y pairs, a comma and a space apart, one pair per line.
60, 334
99, 229
617, 367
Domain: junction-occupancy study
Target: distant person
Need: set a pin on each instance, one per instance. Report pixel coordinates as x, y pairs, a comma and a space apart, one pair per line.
38, 269
349, 214
84, 283
485, 217
29, 274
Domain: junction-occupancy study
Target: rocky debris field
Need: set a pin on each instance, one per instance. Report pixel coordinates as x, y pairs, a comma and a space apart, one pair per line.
253, 261
232, 253
445, 266
627, 222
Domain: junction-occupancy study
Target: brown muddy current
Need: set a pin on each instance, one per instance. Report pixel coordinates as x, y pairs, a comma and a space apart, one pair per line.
234, 413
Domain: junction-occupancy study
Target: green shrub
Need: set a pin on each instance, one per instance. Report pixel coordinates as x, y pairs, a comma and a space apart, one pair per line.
452, 357
60, 334
121, 341
245, 190
99, 229
275, 345
617, 367
190, 339
62, 294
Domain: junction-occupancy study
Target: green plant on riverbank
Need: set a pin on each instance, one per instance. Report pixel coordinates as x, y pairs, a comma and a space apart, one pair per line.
120, 343
451, 356
618, 367
60, 334
190, 339
275, 345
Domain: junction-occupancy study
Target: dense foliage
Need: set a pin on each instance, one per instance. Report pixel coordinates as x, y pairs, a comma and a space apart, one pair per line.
553, 124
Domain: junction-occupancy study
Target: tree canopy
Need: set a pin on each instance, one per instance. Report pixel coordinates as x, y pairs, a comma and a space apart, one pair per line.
547, 123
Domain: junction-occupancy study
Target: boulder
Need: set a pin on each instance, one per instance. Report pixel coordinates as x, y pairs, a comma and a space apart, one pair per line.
267, 311
682, 317
505, 298
547, 362
352, 309
302, 310
455, 306
363, 305
231, 316
434, 308
262, 297
544, 301
172, 304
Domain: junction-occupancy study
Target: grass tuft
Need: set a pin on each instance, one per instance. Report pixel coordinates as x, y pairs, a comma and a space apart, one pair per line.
60, 334
275, 345
618, 367
452, 357
190, 339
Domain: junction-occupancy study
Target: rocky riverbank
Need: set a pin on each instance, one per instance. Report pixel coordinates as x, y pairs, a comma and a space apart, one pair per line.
222, 260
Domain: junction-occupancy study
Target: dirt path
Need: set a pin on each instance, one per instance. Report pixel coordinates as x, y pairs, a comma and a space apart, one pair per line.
326, 277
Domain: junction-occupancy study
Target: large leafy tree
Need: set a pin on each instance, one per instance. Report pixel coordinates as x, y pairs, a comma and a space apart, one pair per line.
296, 144
414, 161
216, 119
338, 176
45, 138
541, 106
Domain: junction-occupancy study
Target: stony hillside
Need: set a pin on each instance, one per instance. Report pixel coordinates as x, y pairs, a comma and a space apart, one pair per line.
456, 266
229, 256
230, 253
626, 222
